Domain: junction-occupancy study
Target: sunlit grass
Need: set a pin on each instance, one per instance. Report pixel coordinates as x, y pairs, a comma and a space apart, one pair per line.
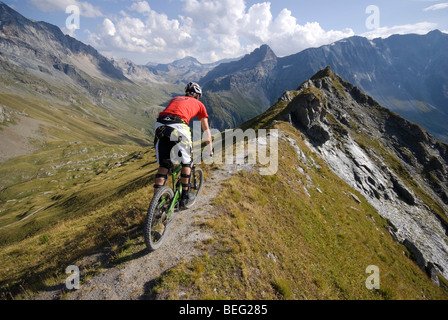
273, 241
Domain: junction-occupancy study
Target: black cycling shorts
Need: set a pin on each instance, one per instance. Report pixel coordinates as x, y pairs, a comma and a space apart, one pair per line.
173, 146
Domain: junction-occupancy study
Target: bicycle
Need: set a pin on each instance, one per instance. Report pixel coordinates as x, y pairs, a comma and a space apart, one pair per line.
165, 203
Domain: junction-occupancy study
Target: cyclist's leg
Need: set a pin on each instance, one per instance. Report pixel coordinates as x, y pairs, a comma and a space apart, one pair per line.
186, 173
184, 148
163, 147
161, 178
186, 177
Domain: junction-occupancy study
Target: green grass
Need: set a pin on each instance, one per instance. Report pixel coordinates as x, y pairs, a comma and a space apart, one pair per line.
66, 182
83, 185
101, 207
273, 241
88, 183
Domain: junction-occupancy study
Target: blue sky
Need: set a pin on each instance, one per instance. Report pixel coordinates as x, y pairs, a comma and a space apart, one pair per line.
165, 30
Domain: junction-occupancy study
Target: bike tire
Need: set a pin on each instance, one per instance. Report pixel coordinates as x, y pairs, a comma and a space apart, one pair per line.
197, 182
156, 224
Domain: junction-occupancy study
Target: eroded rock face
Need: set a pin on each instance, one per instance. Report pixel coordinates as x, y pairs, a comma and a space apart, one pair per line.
308, 112
399, 168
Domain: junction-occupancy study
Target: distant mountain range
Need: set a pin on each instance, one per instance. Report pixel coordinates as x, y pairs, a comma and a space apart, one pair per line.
177, 72
184, 70
54, 87
406, 73
42, 47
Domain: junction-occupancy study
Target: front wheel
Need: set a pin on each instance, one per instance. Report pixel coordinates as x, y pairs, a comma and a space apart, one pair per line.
158, 218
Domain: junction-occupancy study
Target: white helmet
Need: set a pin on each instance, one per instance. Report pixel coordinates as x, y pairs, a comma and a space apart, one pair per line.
193, 88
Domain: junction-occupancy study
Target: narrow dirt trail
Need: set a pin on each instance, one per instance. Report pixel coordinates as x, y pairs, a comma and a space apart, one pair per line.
133, 279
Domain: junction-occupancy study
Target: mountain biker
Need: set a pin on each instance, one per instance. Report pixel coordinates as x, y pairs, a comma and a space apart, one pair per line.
173, 134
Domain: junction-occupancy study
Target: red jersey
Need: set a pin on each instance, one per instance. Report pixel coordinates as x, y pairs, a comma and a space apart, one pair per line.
185, 108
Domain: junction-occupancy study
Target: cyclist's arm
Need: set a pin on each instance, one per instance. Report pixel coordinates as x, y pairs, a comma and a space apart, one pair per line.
207, 134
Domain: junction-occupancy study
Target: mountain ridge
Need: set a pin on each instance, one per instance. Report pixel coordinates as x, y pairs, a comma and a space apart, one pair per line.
395, 164
407, 78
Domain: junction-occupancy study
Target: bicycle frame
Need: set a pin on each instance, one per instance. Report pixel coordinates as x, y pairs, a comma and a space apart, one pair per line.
177, 189
166, 202
177, 193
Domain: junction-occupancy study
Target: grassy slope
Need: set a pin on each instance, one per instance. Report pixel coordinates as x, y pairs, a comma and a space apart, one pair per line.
102, 209
273, 241
57, 203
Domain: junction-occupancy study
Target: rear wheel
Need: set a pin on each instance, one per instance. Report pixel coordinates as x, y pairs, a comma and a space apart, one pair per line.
157, 222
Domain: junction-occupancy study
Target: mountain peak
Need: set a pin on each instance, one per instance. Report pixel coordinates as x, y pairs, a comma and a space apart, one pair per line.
261, 58
436, 33
259, 55
264, 53
8, 15
324, 73
186, 62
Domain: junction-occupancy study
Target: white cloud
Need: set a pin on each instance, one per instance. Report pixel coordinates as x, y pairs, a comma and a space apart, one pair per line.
233, 29
384, 32
209, 30
438, 6
155, 34
109, 28
141, 7
86, 9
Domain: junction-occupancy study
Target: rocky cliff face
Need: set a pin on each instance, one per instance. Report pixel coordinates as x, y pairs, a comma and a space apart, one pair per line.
399, 168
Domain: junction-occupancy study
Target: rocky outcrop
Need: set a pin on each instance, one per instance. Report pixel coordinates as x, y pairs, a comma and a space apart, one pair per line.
308, 112
398, 167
